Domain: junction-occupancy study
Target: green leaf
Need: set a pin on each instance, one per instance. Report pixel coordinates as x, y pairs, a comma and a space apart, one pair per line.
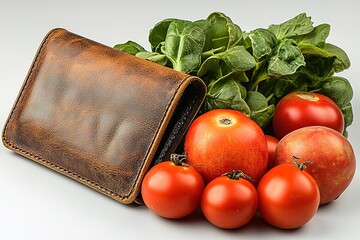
348, 114
310, 49
262, 42
130, 47
184, 44
153, 57
235, 59
158, 33
246, 41
299, 25
316, 37
222, 32
286, 59
226, 94
342, 60
317, 69
260, 111
338, 89
284, 85
209, 53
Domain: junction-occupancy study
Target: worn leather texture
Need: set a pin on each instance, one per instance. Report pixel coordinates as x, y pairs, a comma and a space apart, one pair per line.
98, 115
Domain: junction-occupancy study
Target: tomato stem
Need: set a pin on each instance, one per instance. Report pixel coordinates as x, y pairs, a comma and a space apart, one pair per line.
237, 174
301, 165
178, 159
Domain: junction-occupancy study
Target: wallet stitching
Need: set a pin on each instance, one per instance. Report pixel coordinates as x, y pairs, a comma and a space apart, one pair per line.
38, 158
61, 169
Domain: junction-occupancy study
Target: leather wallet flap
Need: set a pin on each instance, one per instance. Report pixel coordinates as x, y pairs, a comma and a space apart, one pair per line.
98, 115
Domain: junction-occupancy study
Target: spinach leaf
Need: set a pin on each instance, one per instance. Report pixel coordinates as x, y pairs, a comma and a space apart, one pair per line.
299, 25
184, 44
130, 47
226, 93
258, 74
222, 32
211, 52
235, 59
262, 42
287, 84
338, 89
246, 41
316, 37
158, 33
153, 57
317, 70
286, 59
251, 71
260, 111
342, 61
348, 114
310, 49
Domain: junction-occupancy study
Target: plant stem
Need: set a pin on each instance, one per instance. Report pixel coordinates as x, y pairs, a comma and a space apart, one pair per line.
237, 174
301, 165
178, 159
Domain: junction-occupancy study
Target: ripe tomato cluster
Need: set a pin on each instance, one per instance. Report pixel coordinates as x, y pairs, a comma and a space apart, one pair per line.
287, 197
232, 170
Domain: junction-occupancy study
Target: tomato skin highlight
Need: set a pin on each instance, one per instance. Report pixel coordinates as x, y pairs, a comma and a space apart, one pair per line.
301, 109
229, 203
288, 197
222, 140
172, 191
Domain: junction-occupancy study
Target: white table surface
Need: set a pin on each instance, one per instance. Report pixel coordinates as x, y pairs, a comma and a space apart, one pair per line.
37, 203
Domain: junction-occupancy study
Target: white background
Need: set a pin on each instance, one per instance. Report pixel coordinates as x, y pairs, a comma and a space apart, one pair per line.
37, 203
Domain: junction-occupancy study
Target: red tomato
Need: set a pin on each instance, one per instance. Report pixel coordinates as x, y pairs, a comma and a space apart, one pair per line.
301, 109
223, 140
332, 155
271, 144
288, 197
229, 203
172, 191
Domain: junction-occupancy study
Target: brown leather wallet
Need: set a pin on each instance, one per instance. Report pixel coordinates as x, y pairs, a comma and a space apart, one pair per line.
98, 115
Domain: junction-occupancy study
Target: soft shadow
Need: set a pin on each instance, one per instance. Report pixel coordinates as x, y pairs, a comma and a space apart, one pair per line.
326, 206
259, 227
196, 217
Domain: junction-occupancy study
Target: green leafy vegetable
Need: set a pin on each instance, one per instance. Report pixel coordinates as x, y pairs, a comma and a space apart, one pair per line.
260, 110
262, 42
234, 59
153, 57
342, 61
251, 71
299, 25
286, 59
316, 37
226, 93
338, 89
158, 34
184, 43
222, 32
130, 47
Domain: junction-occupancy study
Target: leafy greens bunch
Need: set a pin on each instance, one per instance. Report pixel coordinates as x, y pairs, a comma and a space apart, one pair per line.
251, 71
